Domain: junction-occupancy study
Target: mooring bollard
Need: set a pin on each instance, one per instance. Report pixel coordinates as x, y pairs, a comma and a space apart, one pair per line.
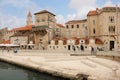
92, 78
114, 70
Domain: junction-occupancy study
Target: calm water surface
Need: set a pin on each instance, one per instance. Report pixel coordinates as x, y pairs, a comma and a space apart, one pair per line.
11, 72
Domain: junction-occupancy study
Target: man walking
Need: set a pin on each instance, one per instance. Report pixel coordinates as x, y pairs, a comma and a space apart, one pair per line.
92, 50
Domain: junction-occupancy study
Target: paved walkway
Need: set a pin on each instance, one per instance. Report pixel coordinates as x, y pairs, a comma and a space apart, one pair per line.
62, 64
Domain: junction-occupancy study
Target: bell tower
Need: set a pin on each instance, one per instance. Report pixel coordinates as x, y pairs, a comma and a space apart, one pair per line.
29, 20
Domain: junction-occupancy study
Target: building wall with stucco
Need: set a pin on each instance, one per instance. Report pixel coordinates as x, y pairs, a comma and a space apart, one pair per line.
107, 26
20, 40
76, 29
92, 23
44, 18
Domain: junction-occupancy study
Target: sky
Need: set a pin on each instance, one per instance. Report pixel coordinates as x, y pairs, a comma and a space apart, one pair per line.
13, 13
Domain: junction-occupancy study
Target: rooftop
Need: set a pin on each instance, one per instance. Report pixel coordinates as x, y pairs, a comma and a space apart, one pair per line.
24, 28
44, 11
76, 21
60, 25
91, 13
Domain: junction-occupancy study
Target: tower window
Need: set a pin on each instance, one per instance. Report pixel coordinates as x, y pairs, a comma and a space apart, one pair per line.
77, 26
112, 29
94, 22
94, 30
67, 27
72, 26
111, 19
38, 20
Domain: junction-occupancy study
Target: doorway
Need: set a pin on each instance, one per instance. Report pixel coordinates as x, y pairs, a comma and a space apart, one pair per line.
68, 47
112, 45
82, 48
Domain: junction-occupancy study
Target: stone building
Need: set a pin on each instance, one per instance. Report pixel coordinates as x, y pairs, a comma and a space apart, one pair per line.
23, 37
76, 28
105, 24
45, 23
59, 31
5, 34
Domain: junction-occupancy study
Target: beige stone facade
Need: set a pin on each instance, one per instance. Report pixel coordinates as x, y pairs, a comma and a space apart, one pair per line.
59, 31
76, 28
105, 24
45, 23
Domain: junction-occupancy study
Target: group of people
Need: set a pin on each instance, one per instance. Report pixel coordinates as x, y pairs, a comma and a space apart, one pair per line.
93, 50
79, 48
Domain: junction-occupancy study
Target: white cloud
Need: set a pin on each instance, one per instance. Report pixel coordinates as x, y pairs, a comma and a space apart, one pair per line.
22, 4
109, 3
60, 19
82, 7
11, 21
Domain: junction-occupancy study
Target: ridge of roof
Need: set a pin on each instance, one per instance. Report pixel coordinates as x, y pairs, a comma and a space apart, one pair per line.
44, 11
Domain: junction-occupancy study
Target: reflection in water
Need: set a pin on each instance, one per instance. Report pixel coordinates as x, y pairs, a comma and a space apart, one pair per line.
11, 72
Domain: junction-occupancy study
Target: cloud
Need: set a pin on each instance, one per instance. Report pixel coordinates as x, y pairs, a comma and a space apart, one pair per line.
82, 7
11, 21
60, 19
21, 4
109, 3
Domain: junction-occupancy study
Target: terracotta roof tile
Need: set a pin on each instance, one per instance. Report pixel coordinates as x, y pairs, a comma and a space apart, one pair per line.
60, 25
91, 13
6, 42
98, 41
24, 28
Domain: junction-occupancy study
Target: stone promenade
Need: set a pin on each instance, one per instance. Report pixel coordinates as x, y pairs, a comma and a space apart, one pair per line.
69, 64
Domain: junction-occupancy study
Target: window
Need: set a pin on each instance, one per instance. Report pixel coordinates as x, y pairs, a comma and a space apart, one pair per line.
57, 29
77, 26
94, 30
43, 20
112, 29
67, 27
111, 19
83, 25
93, 22
72, 26
38, 20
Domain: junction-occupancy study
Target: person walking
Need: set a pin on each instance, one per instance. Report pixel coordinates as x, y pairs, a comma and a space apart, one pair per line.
73, 48
92, 50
